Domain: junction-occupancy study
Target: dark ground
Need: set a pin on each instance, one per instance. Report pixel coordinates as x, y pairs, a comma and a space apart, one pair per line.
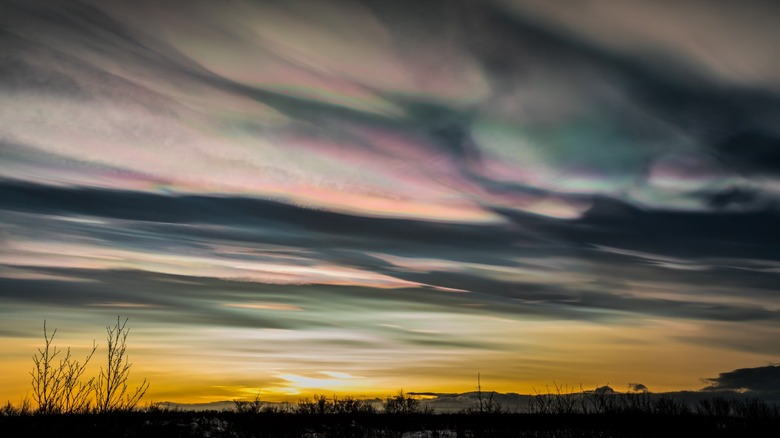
234, 425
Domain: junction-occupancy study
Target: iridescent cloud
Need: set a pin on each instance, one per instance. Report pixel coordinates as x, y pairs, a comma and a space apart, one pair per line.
356, 197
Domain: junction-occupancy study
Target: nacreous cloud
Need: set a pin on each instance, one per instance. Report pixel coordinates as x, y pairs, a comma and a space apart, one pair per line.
282, 100
355, 192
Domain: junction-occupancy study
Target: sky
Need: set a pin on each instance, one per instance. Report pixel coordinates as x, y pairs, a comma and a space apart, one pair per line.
356, 197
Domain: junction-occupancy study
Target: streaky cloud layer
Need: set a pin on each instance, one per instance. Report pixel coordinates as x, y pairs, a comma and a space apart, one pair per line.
360, 196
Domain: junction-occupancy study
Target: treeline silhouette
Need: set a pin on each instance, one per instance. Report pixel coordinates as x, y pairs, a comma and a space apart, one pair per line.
590, 413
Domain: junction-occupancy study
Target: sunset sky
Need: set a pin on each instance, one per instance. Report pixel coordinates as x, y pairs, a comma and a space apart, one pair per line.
354, 197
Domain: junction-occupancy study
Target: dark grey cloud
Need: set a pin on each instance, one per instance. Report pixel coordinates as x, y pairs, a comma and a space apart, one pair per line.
610, 222
758, 379
239, 212
131, 294
173, 224
190, 298
752, 151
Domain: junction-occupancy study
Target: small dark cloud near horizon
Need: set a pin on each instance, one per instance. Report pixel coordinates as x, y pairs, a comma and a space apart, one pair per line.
753, 380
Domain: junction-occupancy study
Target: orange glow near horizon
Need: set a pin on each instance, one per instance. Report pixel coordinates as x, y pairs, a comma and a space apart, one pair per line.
200, 375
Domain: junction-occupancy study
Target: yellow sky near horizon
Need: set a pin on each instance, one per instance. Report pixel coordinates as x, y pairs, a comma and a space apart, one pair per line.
197, 366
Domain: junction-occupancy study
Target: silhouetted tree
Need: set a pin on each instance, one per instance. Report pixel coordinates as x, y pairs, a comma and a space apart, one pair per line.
111, 390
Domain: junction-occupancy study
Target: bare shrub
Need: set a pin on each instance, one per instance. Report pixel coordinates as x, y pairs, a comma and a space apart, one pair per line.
76, 393
562, 399
57, 384
404, 405
111, 390
755, 409
350, 405
253, 406
637, 401
323, 405
9, 410
485, 403
714, 407
603, 400
666, 405
318, 406
159, 408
